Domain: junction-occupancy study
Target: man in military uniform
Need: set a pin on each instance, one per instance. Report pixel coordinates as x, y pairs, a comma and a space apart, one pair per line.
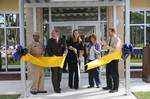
36, 73
112, 75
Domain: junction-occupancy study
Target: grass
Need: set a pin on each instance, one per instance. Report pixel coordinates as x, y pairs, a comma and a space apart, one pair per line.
9, 96
15, 63
142, 95
136, 60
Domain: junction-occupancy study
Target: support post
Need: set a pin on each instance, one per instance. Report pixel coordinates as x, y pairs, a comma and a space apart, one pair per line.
127, 41
22, 42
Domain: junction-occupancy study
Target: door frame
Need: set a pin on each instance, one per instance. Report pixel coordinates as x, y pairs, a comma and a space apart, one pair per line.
75, 25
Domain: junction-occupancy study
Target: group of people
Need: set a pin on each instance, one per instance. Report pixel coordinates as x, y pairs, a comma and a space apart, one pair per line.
74, 49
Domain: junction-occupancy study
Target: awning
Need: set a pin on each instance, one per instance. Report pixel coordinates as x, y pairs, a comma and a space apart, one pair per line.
48, 1
71, 3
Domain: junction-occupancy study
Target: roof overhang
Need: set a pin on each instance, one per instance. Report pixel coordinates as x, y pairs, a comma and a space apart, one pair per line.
71, 3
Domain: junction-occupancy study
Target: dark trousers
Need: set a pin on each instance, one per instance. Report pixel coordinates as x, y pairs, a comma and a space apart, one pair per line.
112, 75
56, 78
0, 62
93, 74
73, 70
0, 66
65, 65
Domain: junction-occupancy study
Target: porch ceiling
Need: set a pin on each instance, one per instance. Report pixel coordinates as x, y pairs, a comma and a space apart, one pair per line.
49, 1
72, 3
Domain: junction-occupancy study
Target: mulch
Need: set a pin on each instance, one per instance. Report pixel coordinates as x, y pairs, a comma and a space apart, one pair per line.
10, 77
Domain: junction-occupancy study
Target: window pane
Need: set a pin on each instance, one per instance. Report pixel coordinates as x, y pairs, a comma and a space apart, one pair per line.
137, 17
65, 31
45, 15
75, 14
12, 20
148, 35
137, 39
137, 36
2, 49
148, 17
87, 30
12, 42
45, 33
103, 13
25, 20
2, 20
103, 30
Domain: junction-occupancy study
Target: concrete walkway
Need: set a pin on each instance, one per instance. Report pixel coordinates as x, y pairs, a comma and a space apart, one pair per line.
14, 87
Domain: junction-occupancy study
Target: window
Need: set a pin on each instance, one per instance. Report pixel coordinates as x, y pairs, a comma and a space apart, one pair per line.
2, 20
9, 40
148, 34
12, 20
103, 13
103, 30
137, 36
45, 33
137, 39
74, 14
139, 27
137, 17
12, 42
45, 15
148, 17
2, 46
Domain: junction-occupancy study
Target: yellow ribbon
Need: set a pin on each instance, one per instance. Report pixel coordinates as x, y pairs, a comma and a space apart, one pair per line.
104, 60
58, 61
53, 61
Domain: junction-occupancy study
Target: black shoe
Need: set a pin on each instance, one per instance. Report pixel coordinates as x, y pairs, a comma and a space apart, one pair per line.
98, 86
90, 86
65, 71
76, 88
58, 91
112, 91
42, 91
106, 88
34, 92
70, 87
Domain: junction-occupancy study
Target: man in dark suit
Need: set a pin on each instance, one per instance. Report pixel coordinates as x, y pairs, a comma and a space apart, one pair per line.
56, 47
112, 75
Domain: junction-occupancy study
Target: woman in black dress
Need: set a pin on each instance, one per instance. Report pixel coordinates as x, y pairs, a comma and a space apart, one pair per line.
74, 48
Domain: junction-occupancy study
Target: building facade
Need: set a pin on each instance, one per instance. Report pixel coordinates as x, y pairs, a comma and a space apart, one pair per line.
88, 16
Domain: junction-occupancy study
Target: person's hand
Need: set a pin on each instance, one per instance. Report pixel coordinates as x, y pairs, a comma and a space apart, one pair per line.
104, 44
96, 51
70, 47
81, 53
65, 53
75, 50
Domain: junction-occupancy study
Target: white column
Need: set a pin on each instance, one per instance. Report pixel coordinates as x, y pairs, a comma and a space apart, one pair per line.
22, 42
34, 20
5, 38
127, 41
115, 17
144, 28
50, 22
99, 18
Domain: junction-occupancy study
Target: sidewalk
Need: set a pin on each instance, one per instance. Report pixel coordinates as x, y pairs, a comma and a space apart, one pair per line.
14, 87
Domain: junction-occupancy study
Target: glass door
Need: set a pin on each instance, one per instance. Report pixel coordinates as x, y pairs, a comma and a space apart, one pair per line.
64, 29
87, 29
84, 28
